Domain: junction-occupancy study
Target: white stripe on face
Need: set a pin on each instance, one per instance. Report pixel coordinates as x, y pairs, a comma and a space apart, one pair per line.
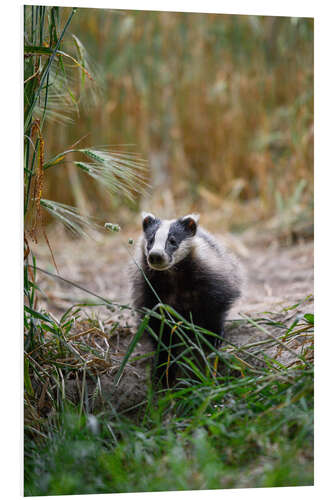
183, 250
161, 236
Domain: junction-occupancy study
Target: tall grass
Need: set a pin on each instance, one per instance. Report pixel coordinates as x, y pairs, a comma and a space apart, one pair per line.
55, 86
51, 94
221, 104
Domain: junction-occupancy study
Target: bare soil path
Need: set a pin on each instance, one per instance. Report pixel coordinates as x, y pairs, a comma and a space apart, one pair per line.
277, 276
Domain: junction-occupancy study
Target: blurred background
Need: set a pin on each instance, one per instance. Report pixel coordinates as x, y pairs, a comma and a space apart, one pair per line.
220, 106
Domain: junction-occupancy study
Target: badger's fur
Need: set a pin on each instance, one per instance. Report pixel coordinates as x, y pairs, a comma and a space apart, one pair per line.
186, 269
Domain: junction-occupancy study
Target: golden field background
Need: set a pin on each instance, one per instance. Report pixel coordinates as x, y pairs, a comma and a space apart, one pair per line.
220, 106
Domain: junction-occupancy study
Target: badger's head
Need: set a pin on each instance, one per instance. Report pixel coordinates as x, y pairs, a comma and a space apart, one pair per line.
167, 242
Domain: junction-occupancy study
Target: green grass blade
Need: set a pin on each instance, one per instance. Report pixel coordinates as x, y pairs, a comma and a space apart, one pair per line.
131, 348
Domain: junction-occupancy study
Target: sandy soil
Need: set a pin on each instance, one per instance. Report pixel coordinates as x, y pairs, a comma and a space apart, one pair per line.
277, 277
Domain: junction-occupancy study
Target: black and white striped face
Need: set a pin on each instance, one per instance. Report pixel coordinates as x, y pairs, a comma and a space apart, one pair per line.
167, 242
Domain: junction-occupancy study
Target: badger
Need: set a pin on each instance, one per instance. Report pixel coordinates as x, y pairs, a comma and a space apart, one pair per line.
180, 264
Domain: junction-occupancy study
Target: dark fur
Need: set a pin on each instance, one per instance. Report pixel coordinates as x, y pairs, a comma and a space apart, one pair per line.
193, 289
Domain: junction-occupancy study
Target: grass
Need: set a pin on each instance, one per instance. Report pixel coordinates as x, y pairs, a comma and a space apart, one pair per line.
56, 84
226, 447
251, 425
220, 105
208, 439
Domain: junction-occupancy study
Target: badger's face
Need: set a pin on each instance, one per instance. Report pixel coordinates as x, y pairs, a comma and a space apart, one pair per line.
167, 242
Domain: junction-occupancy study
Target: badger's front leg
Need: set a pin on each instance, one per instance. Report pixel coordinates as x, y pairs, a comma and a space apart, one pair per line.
163, 369
212, 318
218, 340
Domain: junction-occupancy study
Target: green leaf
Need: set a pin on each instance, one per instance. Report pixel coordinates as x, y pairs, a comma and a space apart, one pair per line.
37, 314
309, 318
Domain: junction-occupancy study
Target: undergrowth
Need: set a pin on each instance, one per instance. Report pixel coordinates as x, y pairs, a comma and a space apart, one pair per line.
248, 424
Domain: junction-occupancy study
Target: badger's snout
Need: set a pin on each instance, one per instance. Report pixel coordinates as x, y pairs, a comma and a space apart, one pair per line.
158, 259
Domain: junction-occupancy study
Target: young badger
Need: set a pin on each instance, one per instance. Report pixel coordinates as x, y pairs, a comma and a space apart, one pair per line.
189, 271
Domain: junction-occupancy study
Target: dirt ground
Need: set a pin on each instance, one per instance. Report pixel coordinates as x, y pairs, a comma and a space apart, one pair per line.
278, 277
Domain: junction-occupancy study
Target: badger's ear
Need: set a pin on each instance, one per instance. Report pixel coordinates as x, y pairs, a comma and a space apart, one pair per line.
190, 222
147, 219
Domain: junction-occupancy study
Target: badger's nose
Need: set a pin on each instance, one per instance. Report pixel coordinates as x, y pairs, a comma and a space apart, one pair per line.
156, 258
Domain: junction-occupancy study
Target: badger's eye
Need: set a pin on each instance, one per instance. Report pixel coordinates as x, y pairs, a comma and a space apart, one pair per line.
172, 241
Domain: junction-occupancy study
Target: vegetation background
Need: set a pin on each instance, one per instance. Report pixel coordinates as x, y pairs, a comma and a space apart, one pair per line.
174, 112
221, 106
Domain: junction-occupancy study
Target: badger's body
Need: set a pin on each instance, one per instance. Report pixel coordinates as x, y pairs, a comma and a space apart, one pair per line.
188, 270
